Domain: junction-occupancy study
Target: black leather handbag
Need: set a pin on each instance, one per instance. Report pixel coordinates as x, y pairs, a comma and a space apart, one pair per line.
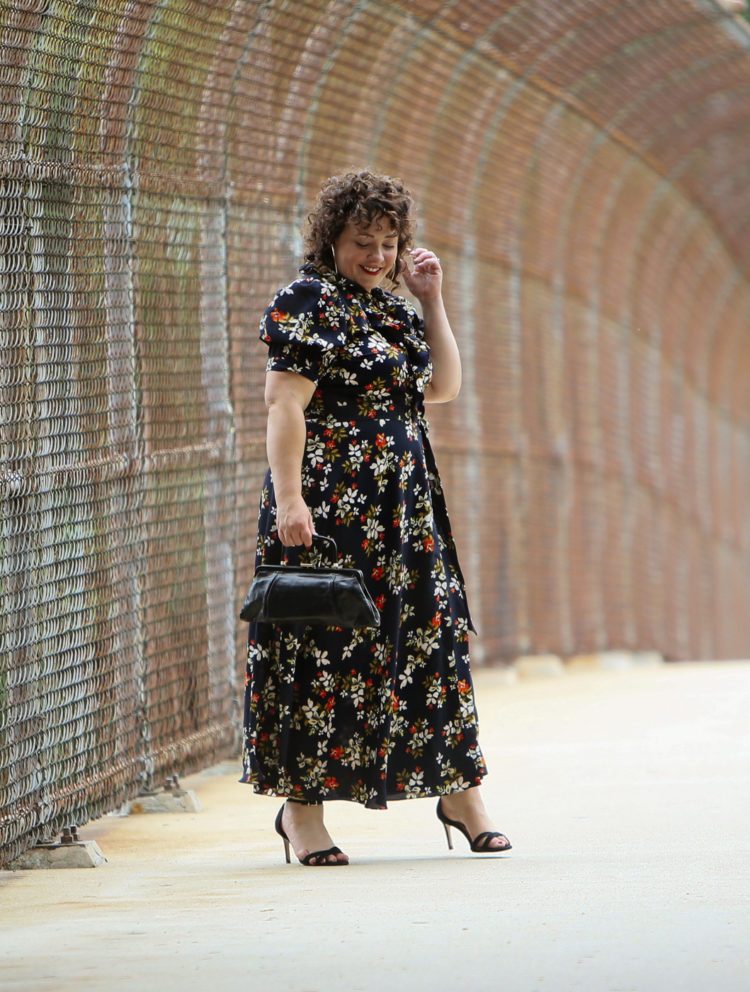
326, 595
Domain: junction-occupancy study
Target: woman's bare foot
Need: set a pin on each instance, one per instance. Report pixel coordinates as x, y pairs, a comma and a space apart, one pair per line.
306, 831
467, 807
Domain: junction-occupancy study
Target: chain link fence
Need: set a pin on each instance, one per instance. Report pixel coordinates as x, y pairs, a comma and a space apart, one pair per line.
581, 169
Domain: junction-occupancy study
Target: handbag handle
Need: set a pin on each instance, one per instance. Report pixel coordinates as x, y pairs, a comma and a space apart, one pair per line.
332, 549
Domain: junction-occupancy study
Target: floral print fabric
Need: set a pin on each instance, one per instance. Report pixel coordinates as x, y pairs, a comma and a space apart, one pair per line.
374, 714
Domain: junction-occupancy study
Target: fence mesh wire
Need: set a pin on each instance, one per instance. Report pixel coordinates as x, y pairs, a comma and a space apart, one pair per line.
582, 170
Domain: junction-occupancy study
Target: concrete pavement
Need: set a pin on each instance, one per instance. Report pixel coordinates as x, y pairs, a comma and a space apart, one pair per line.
626, 796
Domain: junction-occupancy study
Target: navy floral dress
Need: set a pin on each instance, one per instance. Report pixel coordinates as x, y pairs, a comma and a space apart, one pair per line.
374, 714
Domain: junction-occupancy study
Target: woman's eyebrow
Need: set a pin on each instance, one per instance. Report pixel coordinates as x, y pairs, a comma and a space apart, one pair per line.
365, 229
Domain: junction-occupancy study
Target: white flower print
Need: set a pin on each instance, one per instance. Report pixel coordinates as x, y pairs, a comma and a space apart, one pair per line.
440, 587
356, 455
407, 467
434, 693
381, 653
315, 452
320, 656
423, 733
357, 691
416, 780
374, 530
348, 503
358, 638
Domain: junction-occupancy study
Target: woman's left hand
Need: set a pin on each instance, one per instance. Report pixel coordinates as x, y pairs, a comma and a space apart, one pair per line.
425, 279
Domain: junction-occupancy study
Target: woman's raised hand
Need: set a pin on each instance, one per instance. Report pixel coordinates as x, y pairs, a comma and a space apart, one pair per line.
425, 279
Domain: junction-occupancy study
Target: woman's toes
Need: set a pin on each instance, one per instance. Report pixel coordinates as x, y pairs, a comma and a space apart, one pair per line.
500, 843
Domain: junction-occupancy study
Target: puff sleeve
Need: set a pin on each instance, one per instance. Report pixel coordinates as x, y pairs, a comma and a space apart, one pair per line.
303, 327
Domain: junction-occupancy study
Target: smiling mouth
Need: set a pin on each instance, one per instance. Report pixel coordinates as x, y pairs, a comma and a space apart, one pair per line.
372, 271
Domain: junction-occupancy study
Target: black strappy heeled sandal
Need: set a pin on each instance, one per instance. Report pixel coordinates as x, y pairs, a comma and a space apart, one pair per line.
480, 844
315, 859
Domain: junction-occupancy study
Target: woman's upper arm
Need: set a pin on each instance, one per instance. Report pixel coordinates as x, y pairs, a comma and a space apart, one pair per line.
288, 387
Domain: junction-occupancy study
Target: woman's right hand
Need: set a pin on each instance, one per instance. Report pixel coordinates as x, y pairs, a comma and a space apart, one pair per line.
294, 523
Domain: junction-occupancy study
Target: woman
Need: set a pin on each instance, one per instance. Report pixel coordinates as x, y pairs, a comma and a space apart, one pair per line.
379, 713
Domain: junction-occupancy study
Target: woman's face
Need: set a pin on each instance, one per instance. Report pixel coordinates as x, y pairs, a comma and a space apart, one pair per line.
366, 254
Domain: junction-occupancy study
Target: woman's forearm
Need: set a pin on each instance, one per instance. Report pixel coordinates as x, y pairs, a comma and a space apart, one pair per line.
446, 360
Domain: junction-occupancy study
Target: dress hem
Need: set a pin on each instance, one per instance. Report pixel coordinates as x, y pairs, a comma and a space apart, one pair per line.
433, 793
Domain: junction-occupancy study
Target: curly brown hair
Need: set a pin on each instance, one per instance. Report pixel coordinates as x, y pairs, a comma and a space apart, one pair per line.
361, 197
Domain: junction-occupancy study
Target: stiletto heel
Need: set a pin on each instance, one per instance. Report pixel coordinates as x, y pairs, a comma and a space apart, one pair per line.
280, 831
481, 843
447, 834
315, 859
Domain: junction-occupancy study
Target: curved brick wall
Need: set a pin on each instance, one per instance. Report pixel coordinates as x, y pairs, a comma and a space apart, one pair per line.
582, 170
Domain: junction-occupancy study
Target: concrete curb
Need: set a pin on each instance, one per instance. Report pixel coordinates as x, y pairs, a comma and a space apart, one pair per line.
85, 854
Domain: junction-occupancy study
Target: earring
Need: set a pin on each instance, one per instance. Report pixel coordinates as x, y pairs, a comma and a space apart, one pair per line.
335, 267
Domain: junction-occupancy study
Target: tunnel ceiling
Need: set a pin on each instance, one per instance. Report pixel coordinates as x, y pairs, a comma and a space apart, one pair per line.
487, 104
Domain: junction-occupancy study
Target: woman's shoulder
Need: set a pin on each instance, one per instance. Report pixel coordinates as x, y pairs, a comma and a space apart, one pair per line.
305, 310
308, 289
